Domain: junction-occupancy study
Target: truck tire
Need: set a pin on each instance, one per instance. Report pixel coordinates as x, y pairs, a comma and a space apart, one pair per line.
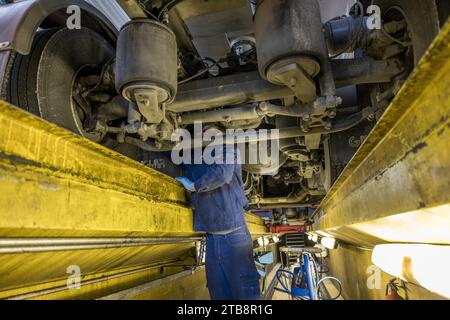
422, 18
42, 82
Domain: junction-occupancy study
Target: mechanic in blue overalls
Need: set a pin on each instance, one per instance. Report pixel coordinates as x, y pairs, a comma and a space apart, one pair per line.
219, 201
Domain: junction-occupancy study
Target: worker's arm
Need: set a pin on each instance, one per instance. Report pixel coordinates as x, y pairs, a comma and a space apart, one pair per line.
217, 175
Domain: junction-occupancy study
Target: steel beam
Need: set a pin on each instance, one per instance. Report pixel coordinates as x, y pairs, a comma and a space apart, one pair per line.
190, 284
248, 87
102, 272
55, 183
396, 188
69, 202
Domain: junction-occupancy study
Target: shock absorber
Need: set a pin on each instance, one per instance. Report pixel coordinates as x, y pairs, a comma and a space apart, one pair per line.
291, 45
346, 34
146, 68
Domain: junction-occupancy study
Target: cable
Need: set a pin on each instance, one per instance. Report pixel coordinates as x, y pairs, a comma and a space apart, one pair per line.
201, 72
297, 280
281, 282
164, 8
330, 278
157, 18
142, 6
320, 281
284, 285
404, 44
321, 267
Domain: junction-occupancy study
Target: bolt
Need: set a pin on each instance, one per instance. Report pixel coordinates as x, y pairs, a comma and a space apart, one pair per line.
4, 45
293, 82
143, 100
165, 17
263, 107
332, 114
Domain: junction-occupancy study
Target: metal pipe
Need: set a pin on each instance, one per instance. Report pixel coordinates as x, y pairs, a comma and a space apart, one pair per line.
338, 125
223, 115
294, 197
9, 246
291, 111
14, 242
287, 205
240, 113
240, 137
246, 88
236, 89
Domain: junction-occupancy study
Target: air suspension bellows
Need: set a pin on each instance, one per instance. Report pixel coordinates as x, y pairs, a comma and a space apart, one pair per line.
290, 44
146, 67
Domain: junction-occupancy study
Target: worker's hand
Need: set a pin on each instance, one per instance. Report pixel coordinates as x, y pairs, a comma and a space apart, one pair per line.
187, 184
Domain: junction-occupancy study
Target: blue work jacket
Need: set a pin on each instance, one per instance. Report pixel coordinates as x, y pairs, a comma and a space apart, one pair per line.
219, 201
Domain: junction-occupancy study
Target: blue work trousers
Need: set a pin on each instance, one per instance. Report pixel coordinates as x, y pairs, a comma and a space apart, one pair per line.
230, 267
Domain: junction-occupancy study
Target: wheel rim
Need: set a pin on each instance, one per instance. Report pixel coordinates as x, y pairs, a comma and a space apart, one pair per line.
82, 110
67, 56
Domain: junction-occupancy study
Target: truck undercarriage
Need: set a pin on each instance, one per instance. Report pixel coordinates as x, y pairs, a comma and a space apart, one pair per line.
322, 78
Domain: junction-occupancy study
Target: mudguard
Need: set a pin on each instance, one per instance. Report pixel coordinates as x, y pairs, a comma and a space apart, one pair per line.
19, 21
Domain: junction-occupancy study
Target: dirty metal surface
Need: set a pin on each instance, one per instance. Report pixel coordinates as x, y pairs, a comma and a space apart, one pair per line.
402, 171
66, 201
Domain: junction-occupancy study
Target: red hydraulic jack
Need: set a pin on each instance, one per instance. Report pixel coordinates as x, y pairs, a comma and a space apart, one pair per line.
288, 229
